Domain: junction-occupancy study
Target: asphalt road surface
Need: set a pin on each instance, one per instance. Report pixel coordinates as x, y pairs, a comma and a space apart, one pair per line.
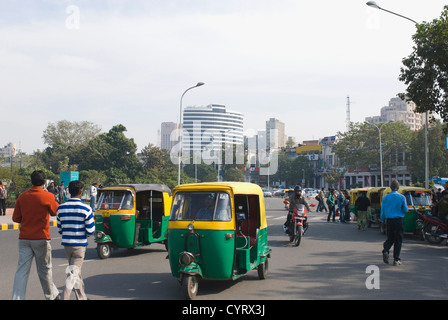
334, 262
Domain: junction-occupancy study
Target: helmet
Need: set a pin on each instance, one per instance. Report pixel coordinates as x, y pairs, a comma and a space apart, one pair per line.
297, 188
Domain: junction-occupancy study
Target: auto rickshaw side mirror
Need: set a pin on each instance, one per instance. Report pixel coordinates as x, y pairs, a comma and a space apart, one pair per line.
240, 218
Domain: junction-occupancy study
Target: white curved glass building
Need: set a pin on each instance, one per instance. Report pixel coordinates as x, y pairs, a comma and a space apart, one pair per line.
207, 128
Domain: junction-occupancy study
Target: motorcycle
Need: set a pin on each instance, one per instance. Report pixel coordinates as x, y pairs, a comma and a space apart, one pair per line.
298, 224
434, 229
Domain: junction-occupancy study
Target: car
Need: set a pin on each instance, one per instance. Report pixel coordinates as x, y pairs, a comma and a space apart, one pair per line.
267, 193
311, 193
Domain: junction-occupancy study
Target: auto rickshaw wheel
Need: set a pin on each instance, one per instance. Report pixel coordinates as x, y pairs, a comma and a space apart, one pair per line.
103, 250
190, 286
263, 269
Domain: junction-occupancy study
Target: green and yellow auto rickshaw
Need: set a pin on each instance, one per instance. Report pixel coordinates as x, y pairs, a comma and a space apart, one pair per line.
217, 231
131, 215
375, 195
417, 199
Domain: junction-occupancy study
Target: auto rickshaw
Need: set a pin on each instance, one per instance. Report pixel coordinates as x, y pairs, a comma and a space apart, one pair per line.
131, 215
217, 231
354, 194
417, 199
375, 195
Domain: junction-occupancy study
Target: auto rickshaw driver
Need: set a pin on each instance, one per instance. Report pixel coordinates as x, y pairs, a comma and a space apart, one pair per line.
295, 200
206, 206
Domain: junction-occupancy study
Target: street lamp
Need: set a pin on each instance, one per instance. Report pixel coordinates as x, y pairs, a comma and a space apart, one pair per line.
373, 4
180, 130
381, 149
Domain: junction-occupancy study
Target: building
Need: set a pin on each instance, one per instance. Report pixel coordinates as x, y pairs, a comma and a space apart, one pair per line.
275, 134
8, 150
207, 128
400, 110
168, 135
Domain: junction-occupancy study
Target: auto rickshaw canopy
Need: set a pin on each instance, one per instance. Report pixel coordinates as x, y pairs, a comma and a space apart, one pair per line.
233, 188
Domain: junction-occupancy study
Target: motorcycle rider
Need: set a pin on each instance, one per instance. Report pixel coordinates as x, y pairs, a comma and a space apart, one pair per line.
295, 200
442, 206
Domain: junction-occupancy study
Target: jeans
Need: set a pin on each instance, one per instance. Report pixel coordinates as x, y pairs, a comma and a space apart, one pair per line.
92, 203
394, 236
40, 250
331, 211
341, 213
321, 205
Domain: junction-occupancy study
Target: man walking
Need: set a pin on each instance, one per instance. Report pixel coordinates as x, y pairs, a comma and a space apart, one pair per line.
75, 223
393, 209
32, 210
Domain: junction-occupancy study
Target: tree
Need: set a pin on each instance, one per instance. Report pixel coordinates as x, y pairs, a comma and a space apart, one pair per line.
359, 147
425, 71
111, 150
438, 155
65, 134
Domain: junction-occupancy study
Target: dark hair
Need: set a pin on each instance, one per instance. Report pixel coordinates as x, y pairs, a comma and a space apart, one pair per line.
38, 178
394, 185
75, 187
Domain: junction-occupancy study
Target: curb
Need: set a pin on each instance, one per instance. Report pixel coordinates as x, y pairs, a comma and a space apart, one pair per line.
16, 226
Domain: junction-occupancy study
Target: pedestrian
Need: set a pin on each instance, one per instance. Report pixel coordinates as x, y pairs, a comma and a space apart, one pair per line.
362, 205
75, 224
393, 209
32, 210
93, 194
341, 206
61, 193
347, 205
331, 205
52, 189
3, 196
321, 206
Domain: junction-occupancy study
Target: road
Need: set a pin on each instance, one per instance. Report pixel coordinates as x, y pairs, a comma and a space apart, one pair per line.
334, 261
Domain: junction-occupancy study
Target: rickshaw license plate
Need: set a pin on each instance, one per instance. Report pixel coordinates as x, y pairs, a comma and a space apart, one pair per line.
106, 214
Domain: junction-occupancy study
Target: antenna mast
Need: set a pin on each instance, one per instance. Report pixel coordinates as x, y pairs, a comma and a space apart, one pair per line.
347, 119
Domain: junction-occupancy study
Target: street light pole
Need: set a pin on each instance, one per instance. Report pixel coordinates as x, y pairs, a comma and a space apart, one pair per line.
373, 4
381, 149
181, 129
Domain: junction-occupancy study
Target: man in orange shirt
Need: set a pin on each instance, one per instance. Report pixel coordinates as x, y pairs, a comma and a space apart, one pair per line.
32, 210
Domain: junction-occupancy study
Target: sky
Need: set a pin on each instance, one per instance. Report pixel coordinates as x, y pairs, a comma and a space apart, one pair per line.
129, 61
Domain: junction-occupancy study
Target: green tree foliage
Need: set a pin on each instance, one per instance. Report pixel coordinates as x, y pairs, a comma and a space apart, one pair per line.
359, 147
425, 71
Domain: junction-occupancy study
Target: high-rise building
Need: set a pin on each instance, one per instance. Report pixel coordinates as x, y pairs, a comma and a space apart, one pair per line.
275, 134
206, 128
400, 110
168, 136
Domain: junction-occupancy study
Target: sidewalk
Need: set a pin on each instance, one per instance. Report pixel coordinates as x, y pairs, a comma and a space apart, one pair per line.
6, 222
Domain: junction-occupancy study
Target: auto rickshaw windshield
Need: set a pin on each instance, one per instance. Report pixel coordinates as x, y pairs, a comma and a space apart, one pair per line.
116, 200
417, 198
201, 205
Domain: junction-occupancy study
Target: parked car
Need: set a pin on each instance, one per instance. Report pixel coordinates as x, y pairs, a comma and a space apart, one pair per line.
267, 193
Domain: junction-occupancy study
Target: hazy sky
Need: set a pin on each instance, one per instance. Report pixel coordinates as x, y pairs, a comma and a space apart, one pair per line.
128, 62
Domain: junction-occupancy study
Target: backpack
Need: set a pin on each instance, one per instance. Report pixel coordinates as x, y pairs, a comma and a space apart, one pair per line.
3, 193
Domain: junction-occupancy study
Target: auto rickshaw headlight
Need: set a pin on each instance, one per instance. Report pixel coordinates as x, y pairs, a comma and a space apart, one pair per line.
186, 258
190, 227
99, 234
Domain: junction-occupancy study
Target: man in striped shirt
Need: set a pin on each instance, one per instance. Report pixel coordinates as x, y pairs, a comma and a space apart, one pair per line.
75, 223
